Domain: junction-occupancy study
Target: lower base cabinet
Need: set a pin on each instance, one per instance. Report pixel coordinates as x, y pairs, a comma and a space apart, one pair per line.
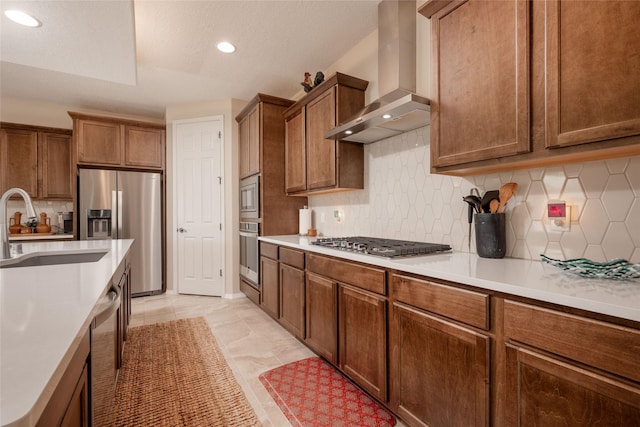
322, 316
547, 391
362, 330
69, 404
567, 370
439, 370
292, 299
441, 354
269, 282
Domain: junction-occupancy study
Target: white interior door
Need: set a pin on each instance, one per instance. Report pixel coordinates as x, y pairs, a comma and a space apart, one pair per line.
199, 197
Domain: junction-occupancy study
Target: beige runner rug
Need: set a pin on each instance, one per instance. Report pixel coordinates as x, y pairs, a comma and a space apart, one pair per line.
173, 374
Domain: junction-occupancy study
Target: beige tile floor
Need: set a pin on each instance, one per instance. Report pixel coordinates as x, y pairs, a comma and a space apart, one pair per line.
251, 341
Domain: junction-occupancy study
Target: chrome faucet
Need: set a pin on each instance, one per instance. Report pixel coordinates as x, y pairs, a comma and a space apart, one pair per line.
4, 227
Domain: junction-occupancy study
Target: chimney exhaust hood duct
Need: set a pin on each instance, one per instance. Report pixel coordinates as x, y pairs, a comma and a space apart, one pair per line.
400, 109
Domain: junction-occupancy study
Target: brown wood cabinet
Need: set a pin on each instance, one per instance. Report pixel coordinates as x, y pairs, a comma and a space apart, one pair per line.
315, 164
322, 316
435, 357
453, 355
107, 141
36, 159
124, 314
362, 334
269, 279
249, 129
563, 369
69, 403
261, 151
437, 362
292, 291
521, 84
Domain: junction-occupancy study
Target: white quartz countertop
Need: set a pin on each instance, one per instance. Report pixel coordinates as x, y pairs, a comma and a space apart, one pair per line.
45, 310
526, 278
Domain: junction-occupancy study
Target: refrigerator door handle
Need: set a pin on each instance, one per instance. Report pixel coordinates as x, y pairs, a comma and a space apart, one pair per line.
120, 217
114, 204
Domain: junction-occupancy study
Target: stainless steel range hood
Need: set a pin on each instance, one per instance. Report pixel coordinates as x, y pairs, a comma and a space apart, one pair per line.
400, 109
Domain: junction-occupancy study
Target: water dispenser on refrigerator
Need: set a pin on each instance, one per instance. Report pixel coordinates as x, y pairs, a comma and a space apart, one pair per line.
98, 223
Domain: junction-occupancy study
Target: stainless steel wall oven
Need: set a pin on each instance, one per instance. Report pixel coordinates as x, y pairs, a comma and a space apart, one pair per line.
250, 253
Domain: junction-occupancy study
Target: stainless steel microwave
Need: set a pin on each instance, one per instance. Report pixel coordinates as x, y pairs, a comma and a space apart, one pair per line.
250, 197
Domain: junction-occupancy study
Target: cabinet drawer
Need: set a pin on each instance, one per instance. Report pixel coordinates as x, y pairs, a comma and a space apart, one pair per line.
369, 278
268, 250
602, 345
462, 305
252, 293
292, 257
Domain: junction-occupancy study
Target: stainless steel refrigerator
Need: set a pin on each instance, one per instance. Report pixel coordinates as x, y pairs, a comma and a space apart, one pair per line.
125, 205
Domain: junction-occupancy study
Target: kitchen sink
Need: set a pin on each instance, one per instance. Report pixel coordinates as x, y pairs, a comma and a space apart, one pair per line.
54, 258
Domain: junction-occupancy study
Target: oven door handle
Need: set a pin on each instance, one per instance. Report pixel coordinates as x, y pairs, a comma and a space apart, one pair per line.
248, 234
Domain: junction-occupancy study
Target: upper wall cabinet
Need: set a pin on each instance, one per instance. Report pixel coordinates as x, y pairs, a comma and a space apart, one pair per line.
314, 164
36, 159
522, 83
106, 141
262, 152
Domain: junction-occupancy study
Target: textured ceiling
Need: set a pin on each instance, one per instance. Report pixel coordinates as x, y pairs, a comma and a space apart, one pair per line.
138, 57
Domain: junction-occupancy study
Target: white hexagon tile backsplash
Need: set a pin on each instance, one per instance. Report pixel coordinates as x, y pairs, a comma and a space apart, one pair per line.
403, 200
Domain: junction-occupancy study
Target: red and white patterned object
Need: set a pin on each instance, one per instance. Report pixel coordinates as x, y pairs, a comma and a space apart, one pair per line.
310, 392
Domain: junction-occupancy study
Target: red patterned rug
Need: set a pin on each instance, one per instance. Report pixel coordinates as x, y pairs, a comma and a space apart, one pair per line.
310, 392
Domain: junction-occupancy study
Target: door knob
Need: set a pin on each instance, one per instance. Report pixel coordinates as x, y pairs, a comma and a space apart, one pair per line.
182, 230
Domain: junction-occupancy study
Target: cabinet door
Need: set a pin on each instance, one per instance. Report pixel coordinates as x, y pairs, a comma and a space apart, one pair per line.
593, 89
55, 166
270, 286
292, 299
295, 154
99, 142
249, 129
322, 317
321, 152
77, 413
545, 391
480, 107
243, 148
439, 371
144, 147
19, 157
254, 141
363, 339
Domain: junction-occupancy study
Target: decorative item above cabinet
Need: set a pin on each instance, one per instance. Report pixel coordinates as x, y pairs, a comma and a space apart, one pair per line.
108, 141
520, 84
314, 164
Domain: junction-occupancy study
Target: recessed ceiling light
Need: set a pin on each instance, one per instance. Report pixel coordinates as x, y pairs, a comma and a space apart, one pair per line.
22, 18
386, 116
226, 47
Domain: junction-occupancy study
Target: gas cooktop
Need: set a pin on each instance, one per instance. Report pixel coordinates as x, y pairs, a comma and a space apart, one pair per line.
388, 248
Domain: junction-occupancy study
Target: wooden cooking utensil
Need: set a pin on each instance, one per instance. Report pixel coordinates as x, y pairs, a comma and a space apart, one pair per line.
493, 206
506, 192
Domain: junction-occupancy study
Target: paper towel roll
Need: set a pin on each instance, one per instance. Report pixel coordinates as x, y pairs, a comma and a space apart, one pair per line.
304, 221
